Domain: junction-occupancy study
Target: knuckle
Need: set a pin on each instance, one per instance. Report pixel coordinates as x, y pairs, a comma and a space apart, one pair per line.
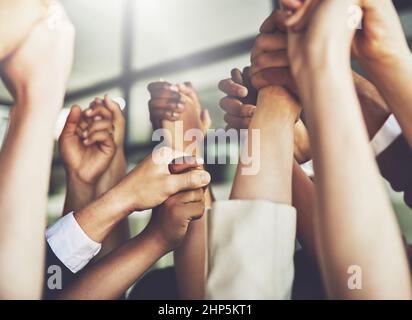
259, 42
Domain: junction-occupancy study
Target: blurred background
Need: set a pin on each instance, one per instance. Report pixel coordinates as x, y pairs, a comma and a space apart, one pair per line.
122, 45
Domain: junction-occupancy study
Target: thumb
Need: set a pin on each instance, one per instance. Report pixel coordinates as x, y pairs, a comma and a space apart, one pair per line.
114, 108
192, 180
72, 120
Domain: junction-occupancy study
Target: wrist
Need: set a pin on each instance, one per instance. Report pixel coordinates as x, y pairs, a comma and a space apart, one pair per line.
395, 61
276, 104
30, 99
160, 245
74, 181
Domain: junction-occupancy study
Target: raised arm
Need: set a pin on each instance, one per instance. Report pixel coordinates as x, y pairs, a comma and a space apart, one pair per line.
177, 108
115, 273
25, 158
355, 223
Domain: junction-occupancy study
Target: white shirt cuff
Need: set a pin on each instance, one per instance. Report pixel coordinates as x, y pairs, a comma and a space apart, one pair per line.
71, 244
386, 135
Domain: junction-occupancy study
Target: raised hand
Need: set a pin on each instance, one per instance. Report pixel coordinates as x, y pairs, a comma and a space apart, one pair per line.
38, 71
170, 221
269, 56
172, 102
381, 39
238, 115
151, 182
25, 13
116, 169
88, 151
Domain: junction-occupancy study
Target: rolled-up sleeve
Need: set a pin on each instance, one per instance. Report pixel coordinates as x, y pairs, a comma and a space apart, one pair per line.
251, 246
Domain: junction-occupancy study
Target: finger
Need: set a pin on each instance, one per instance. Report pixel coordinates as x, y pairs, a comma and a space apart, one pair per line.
114, 107
99, 111
184, 164
233, 89
291, 4
275, 22
164, 90
160, 115
98, 137
187, 100
72, 120
237, 76
206, 119
275, 59
81, 133
194, 179
197, 210
160, 85
303, 15
237, 108
102, 125
192, 196
269, 42
188, 92
83, 123
166, 104
96, 102
236, 122
273, 76
252, 92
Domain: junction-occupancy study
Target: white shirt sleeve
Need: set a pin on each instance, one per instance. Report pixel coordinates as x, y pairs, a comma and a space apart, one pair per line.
71, 244
386, 135
251, 245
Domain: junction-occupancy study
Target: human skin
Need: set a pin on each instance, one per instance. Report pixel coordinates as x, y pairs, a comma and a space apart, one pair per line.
362, 216
381, 49
111, 276
24, 14
275, 117
190, 255
26, 155
91, 146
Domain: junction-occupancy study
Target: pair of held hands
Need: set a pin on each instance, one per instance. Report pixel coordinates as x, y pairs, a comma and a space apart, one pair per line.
91, 146
293, 43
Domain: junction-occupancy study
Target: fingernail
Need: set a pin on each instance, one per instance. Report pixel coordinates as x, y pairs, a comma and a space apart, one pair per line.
85, 133
174, 88
175, 114
86, 141
98, 118
242, 92
205, 178
89, 112
180, 106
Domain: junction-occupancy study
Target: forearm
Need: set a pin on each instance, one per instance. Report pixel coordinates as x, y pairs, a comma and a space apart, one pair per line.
189, 261
304, 200
393, 82
273, 179
374, 109
115, 273
191, 255
115, 173
100, 217
354, 210
25, 162
78, 194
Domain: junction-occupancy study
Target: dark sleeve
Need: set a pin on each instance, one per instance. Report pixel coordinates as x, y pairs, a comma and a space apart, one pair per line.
67, 277
395, 164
